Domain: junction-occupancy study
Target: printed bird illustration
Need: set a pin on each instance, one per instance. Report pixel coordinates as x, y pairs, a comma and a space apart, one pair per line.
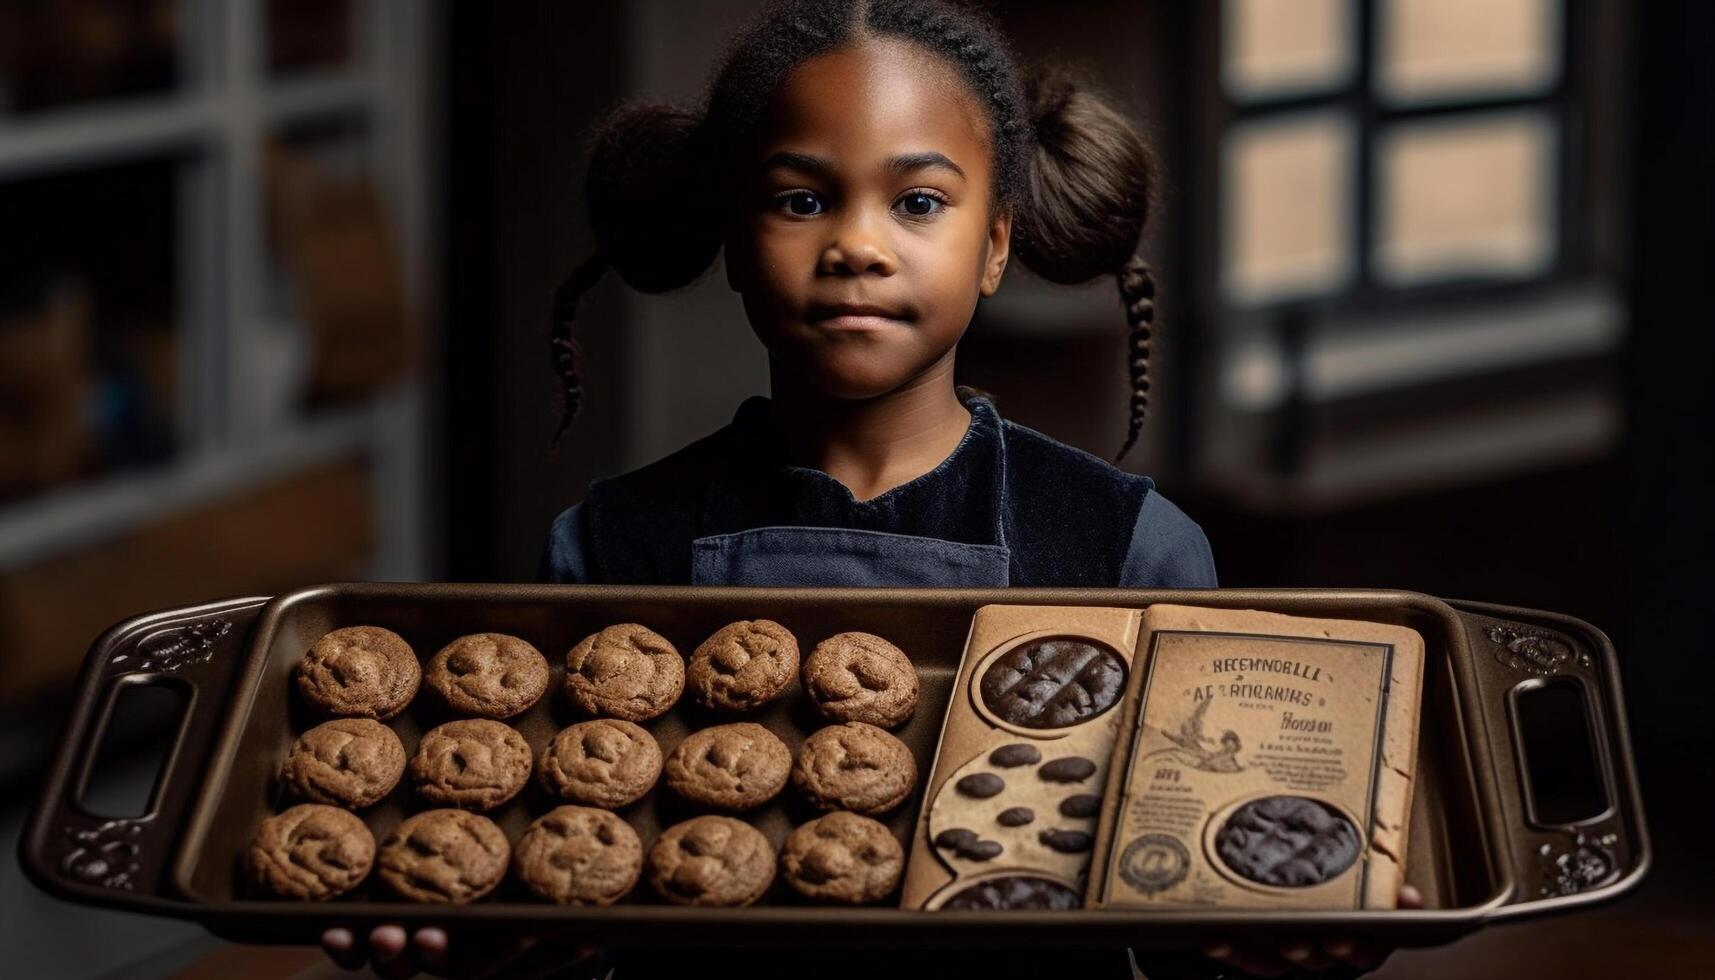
1199, 751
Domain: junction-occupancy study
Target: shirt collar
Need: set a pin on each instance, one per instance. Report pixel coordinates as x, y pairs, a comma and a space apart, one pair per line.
960, 499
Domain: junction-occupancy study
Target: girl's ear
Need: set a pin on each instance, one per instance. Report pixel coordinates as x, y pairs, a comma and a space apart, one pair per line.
1000, 244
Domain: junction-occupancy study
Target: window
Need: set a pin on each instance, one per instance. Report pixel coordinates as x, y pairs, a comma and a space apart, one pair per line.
1403, 199
165, 348
1374, 147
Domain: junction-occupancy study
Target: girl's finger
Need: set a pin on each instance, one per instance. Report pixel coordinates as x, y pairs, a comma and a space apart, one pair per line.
341, 947
1410, 897
386, 942
430, 946
1339, 948
1303, 954
388, 953
1364, 955
1250, 959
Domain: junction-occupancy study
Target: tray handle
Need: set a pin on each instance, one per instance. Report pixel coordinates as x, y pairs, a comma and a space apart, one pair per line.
120, 861
1549, 691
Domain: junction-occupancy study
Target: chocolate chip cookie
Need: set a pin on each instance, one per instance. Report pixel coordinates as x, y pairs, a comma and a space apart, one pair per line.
311, 851
855, 767
474, 764
743, 666
1288, 841
861, 677
1053, 682
446, 856
359, 672
603, 762
351, 762
489, 675
842, 857
579, 855
729, 767
711, 861
626, 671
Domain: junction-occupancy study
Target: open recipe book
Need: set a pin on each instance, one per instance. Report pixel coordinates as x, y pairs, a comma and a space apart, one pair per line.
1173, 755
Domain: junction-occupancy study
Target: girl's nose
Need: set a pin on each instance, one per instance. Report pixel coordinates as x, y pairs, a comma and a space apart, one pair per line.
857, 249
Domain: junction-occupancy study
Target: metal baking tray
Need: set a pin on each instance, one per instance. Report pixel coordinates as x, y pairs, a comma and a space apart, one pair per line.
1481, 850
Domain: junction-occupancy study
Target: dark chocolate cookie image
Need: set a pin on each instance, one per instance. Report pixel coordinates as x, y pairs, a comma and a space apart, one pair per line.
1015, 892
1053, 682
711, 860
350, 762
488, 675
1289, 841
359, 672
743, 666
474, 764
861, 677
842, 857
603, 762
445, 856
311, 851
626, 671
579, 855
854, 767
729, 767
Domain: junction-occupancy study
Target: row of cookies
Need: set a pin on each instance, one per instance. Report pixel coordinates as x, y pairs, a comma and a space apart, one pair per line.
621, 673
477, 764
572, 855
372, 672
626, 671
631, 672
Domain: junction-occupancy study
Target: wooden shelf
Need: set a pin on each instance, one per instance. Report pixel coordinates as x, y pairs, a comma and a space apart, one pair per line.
213, 126
100, 133
87, 513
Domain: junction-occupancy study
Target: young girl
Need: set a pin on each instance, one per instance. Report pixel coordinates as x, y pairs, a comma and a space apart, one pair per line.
868, 172
868, 169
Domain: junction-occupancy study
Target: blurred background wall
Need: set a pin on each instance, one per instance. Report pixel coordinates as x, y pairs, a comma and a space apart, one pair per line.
274, 281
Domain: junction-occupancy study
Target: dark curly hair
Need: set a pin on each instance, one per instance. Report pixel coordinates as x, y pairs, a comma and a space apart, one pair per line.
1076, 176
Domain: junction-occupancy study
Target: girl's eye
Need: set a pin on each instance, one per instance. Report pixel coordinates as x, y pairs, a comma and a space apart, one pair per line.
922, 204
791, 201
806, 204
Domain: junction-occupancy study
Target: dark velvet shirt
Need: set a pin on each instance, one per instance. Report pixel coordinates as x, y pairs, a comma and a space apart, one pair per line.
1010, 506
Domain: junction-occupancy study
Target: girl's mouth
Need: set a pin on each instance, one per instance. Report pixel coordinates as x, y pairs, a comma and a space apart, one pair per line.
855, 316
857, 323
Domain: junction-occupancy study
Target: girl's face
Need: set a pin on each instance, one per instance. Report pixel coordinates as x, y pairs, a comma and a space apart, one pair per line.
869, 194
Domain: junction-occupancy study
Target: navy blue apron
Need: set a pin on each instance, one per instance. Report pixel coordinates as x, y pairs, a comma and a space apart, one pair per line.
837, 556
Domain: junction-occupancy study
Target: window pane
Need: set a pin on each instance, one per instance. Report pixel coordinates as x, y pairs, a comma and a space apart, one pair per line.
1432, 50
1287, 209
1275, 48
1466, 198
73, 51
311, 34
334, 282
88, 349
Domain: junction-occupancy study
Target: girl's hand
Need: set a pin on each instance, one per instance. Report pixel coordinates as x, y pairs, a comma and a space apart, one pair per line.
429, 951
1351, 953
